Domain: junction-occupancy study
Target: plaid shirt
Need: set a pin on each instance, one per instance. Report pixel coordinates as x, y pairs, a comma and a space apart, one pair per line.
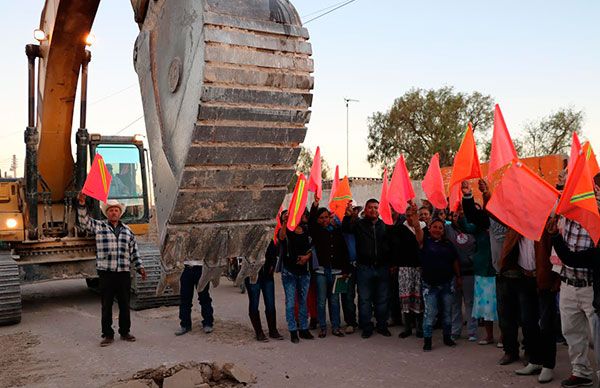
577, 239
113, 253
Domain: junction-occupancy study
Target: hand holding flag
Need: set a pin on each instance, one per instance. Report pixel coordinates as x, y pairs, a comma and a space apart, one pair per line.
97, 184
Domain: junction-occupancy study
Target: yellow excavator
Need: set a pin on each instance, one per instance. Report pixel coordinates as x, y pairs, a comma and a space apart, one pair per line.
226, 90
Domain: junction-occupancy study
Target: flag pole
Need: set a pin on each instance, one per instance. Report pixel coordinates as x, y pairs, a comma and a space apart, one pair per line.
348, 101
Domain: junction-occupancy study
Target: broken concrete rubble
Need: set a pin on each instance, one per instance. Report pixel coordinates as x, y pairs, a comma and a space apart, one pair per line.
190, 375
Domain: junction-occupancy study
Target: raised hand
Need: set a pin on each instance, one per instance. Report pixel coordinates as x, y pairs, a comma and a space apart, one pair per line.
483, 186
465, 187
81, 198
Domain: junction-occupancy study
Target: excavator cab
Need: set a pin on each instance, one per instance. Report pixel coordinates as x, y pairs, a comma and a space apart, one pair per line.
126, 160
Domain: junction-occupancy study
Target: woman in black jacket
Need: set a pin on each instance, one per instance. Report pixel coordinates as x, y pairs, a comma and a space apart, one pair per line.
294, 262
330, 261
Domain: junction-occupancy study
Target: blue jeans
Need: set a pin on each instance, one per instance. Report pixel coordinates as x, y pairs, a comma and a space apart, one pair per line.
465, 294
266, 284
324, 293
373, 291
348, 301
432, 295
188, 281
293, 284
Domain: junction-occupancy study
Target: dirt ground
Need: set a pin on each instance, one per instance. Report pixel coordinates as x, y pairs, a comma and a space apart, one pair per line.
57, 345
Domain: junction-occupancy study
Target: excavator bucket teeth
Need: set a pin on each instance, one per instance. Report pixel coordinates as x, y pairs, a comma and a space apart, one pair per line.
143, 292
226, 89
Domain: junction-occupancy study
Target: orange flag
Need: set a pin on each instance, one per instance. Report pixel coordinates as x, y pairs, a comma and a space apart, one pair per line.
334, 185
297, 204
315, 183
401, 189
575, 151
433, 184
503, 149
97, 183
340, 199
578, 201
523, 201
278, 226
466, 166
384, 206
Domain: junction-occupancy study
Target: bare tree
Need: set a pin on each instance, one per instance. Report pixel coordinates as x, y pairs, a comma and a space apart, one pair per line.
552, 134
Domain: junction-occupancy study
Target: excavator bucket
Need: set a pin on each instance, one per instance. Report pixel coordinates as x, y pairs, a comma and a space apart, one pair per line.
226, 94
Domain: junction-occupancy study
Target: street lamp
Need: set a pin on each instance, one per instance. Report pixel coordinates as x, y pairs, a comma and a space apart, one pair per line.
348, 101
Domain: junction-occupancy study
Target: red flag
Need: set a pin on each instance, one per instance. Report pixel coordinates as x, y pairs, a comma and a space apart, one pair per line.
315, 183
523, 201
503, 150
334, 185
466, 166
297, 204
97, 183
384, 206
578, 201
341, 197
278, 226
433, 184
575, 151
401, 189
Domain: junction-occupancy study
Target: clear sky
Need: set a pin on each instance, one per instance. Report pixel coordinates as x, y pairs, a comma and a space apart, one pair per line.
533, 57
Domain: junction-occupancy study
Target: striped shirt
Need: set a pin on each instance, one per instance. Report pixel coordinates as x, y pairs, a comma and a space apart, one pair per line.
116, 248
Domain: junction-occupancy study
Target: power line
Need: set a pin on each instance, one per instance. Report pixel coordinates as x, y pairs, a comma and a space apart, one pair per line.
129, 125
330, 11
323, 9
112, 94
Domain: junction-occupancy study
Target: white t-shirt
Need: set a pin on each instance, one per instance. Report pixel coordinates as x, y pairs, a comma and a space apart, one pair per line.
423, 226
526, 254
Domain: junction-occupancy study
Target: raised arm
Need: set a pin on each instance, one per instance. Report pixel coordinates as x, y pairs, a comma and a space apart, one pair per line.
85, 221
475, 216
348, 221
582, 259
412, 218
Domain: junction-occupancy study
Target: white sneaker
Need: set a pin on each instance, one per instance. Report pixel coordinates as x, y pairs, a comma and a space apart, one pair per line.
530, 369
546, 376
349, 329
208, 329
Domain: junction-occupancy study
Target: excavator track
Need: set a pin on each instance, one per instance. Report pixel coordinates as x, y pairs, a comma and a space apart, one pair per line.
226, 98
143, 293
10, 290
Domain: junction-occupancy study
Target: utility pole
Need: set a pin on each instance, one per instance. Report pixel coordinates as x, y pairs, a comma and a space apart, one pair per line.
13, 166
348, 101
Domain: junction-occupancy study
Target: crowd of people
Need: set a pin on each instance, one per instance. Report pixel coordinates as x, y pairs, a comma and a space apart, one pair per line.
457, 271
430, 269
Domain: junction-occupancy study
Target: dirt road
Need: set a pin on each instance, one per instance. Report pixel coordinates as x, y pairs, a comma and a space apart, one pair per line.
56, 345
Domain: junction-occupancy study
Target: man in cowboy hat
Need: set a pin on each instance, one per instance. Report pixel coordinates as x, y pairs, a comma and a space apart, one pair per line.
116, 250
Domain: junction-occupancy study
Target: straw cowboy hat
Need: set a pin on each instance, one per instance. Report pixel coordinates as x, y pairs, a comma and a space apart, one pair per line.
104, 206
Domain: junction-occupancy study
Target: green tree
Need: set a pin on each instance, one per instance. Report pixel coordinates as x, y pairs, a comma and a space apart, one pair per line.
423, 122
552, 134
304, 164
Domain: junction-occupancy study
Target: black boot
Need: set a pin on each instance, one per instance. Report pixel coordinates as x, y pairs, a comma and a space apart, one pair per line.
294, 336
448, 340
427, 344
272, 323
408, 322
256, 324
305, 334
